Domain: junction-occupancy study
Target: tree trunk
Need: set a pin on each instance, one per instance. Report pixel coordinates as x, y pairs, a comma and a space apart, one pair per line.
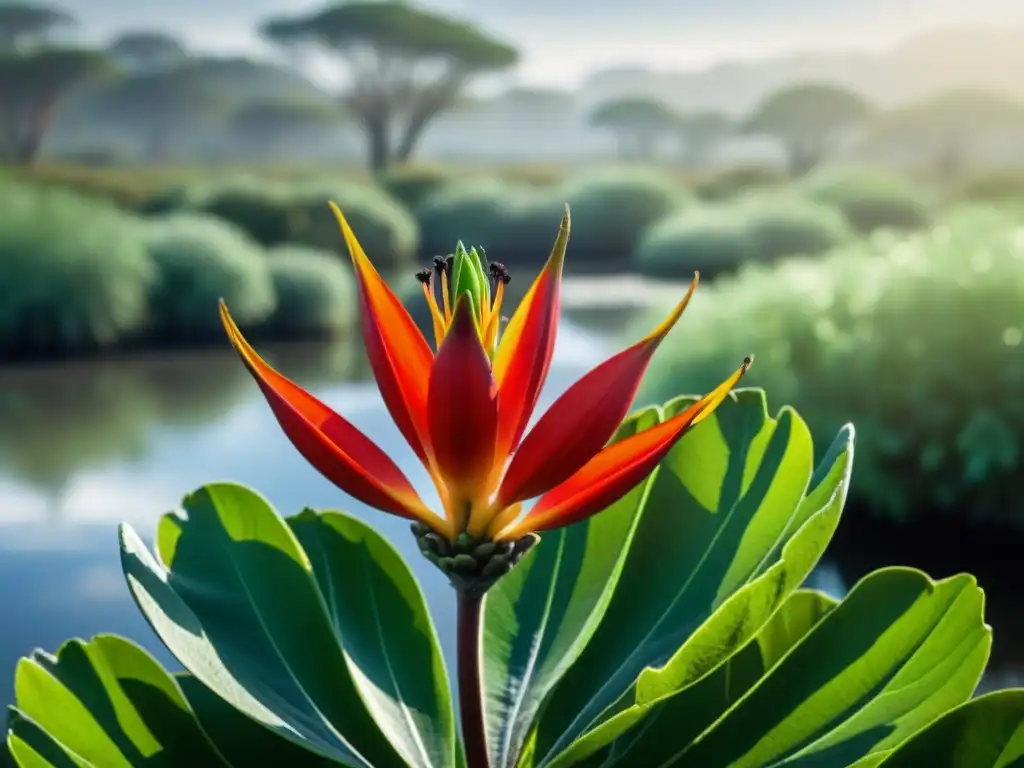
379, 143
803, 159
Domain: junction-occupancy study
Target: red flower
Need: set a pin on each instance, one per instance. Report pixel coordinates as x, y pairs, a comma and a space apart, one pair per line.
464, 410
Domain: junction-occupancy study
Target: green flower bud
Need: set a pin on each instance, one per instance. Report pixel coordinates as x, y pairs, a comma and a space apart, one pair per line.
464, 564
466, 279
481, 274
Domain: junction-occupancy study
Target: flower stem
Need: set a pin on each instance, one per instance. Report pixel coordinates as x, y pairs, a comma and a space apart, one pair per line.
471, 692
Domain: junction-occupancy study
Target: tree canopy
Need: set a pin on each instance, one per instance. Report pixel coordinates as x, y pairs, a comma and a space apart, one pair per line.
262, 125
809, 120
405, 64
637, 122
23, 24
147, 49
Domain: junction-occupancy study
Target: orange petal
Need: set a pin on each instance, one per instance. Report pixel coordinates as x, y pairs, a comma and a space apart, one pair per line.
580, 422
334, 447
463, 412
617, 469
524, 352
399, 355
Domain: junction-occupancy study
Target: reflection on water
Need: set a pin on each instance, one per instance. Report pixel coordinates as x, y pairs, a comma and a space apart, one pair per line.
85, 446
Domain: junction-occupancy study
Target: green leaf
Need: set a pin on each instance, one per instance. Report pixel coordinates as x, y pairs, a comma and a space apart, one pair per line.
726, 534
315, 652
899, 651
105, 702
538, 618
987, 732
239, 739
681, 718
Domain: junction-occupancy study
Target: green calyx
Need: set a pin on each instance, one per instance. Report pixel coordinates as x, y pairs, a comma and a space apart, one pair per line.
472, 565
469, 277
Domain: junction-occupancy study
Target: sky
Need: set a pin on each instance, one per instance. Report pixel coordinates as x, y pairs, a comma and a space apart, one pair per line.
563, 40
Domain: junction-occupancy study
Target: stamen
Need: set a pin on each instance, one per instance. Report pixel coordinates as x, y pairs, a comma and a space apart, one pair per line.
424, 276
494, 317
446, 272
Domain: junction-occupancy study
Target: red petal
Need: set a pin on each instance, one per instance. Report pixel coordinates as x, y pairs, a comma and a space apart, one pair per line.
399, 355
617, 469
463, 412
580, 422
524, 352
334, 447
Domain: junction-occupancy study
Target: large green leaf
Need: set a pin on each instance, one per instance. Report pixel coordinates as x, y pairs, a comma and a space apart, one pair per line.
899, 651
538, 618
728, 531
314, 628
105, 702
680, 719
987, 732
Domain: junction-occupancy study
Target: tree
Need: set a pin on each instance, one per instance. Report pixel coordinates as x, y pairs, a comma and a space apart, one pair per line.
810, 120
30, 86
637, 122
405, 65
159, 105
262, 126
27, 24
947, 127
147, 50
700, 132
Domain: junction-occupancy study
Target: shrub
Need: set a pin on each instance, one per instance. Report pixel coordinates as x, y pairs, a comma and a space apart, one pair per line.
745, 178
916, 339
717, 239
410, 185
611, 209
472, 211
315, 293
260, 210
74, 274
128, 189
790, 226
199, 260
993, 186
711, 239
387, 231
870, 199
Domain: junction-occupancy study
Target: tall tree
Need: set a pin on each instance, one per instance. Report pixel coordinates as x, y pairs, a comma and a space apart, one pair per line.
947, 128
810, 120
160, 106
29, 24
700, 132
147, 50
405, 65
263, 126
638, 123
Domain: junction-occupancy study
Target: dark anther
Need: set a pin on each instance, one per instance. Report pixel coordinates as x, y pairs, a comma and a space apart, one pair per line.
424, 276
440, 264
497, 268
449, 260
506, 278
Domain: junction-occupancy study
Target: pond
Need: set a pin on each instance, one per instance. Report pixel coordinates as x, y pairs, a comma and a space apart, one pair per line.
84, 446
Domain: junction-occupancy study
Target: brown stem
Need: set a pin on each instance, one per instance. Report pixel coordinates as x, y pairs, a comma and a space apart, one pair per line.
471, 692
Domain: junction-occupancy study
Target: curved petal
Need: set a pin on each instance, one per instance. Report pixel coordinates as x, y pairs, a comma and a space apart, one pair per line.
334, 447
399, 355
617, 469
525, 349
463, 413
582, 421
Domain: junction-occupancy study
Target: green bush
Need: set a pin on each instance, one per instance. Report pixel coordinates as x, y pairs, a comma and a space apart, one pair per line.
711, 239
316, 294
386, 230
260, 210
611, 208
74, 274
410, 185
916, 339
731, 182
199, 260
789, 226
871, 199
717, 239
994, 186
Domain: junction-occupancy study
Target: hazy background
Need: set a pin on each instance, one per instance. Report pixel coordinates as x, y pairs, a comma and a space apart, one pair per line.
847, 177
